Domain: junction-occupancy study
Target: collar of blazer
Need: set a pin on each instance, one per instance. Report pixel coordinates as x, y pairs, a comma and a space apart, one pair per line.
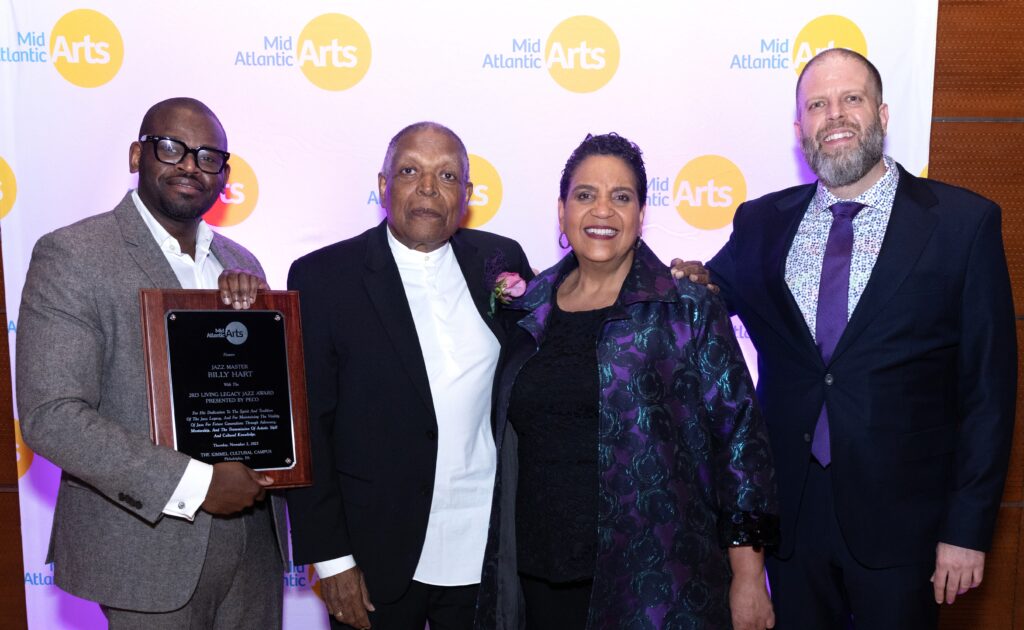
384, 286
146, 253
142, 247
911, 224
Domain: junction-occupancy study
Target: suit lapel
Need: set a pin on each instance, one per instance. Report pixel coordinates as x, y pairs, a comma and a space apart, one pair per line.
384, 286
911, 224
778, 238
142, 247
473, 266
226, 255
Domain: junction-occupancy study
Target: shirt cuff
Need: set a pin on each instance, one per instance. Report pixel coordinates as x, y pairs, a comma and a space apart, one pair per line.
327, 568
191, 491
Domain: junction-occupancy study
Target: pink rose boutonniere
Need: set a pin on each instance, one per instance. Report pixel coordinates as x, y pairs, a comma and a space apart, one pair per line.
507, 286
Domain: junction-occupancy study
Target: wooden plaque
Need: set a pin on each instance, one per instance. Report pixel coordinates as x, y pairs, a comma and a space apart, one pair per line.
227, 384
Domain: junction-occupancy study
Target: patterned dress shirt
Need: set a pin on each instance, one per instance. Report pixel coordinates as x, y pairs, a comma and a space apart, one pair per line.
803, 265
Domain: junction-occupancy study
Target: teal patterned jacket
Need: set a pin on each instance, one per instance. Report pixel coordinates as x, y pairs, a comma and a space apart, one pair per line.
684, 464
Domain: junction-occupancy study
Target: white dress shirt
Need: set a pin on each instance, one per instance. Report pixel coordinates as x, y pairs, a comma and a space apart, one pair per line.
201, 273
460, 353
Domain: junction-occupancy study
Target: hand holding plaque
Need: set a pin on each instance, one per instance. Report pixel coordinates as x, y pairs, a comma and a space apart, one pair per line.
228, 385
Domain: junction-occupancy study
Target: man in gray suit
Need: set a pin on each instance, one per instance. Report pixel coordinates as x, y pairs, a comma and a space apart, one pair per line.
158, 539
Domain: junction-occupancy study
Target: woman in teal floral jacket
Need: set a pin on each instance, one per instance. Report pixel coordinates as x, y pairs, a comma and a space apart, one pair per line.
635, 486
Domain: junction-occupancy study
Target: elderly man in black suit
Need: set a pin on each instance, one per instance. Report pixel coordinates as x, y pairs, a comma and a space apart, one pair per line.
401, 348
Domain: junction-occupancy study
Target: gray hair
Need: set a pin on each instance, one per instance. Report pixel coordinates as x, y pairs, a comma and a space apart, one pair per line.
389, 156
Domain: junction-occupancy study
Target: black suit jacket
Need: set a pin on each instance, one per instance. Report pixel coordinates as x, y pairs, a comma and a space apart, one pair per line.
921, 387
372, 422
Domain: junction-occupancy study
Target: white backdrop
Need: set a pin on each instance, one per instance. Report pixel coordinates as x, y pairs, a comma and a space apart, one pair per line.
311, 92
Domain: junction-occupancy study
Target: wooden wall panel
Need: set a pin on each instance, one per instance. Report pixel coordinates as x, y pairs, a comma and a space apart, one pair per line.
1014, 492
12, 572
12, 575
988, 158
976, 140
978, 59
1018, 615
991, 605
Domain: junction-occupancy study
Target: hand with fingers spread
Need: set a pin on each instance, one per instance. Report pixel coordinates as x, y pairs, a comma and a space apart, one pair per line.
957, 570
238, 288
346, 598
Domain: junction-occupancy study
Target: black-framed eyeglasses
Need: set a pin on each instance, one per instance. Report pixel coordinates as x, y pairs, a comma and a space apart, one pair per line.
172, 151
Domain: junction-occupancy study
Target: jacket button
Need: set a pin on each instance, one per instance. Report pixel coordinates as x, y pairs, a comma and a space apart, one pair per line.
807, 437
431, 435
829, 379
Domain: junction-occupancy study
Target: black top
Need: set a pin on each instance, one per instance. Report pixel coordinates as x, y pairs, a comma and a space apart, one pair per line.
554, 409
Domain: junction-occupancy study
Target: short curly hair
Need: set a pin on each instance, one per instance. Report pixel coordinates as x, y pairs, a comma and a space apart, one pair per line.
607, 144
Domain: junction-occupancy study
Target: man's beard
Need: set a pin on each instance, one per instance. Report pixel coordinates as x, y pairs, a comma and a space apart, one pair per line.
846, 166
186, 209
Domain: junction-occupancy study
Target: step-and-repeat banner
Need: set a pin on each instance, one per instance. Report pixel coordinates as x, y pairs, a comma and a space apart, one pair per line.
311, 92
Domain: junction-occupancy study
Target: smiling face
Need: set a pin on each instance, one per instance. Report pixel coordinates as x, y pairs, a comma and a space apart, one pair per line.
179, 193
841, 124
602, 213
425, 191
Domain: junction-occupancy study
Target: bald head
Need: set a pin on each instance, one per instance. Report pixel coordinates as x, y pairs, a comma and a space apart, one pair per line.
874, 78
151, 121
389, 155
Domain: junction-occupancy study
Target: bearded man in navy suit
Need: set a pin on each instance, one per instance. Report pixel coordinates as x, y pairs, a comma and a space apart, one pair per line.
879, 304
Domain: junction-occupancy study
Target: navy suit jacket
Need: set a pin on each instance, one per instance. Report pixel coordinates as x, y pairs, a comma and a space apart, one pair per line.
373, 430
921, 387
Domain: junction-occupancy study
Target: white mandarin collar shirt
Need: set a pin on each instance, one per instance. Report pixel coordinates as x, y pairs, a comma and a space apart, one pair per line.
460, 353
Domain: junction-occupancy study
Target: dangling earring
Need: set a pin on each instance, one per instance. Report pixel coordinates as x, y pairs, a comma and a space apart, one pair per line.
566, 238
639, 241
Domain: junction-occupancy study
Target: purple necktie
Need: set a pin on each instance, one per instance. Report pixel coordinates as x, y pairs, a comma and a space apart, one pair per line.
833, 304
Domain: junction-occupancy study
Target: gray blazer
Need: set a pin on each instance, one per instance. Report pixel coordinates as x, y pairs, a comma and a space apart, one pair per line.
83, 405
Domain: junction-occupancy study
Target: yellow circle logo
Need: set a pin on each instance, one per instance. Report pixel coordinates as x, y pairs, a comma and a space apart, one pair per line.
8, 188
86, 48
822, 33
23, 452
334, 52
312, 579
486, 199
707, 191
582, 54
238, 199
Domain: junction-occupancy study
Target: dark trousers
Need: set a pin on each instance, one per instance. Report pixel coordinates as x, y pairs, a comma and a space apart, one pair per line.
445, 607
556, 606
823, 587
240, 585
